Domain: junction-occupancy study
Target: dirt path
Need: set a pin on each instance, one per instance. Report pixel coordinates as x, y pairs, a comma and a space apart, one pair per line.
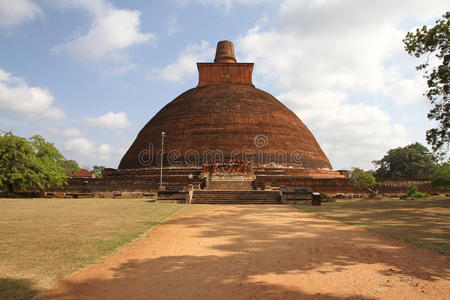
261, 252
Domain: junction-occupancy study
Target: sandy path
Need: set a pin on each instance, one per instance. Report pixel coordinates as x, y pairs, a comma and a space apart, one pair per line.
261, 252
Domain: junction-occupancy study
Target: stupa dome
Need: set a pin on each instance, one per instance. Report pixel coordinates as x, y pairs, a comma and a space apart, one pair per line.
225, 117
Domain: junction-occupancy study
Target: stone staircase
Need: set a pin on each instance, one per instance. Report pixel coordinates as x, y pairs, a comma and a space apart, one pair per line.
236, 197
229, 185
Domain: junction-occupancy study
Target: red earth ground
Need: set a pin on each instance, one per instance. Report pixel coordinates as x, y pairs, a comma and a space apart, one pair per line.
261, 252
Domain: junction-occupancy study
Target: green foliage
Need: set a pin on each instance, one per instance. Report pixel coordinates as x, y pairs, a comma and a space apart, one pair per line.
19, 166
29, 164
413, 162
441, 179
50, 158
361, 179
413, 193
97, 170
69, 166
427, 41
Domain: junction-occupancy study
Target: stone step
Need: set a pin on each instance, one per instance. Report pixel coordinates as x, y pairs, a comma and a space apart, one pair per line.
229, 185
237, 193
236, 197
267, 193
234, 202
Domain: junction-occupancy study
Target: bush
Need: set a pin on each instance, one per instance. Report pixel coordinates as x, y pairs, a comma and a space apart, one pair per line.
441, 179
413, 193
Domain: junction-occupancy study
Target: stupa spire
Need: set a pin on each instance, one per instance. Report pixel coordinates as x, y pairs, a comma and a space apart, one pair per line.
224, 69
225, 52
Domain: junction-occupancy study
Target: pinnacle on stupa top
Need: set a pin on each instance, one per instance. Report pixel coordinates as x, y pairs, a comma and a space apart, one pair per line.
225, 52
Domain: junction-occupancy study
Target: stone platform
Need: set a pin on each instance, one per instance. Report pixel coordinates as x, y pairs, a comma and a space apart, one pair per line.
126, 183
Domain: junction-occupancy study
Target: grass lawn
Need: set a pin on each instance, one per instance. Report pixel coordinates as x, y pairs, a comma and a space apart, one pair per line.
424, 222
42, 240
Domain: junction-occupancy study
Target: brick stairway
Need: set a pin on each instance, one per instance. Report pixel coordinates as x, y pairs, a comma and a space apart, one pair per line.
229, 185
236, 197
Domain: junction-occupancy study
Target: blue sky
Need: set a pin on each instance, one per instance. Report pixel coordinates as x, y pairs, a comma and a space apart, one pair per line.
89, 74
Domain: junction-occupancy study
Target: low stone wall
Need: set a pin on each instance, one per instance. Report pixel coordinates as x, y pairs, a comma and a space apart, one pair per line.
147, 180
129, 184
403, 185
336, 185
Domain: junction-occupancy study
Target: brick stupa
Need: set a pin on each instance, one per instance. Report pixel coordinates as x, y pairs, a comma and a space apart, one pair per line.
225, 117
224, 134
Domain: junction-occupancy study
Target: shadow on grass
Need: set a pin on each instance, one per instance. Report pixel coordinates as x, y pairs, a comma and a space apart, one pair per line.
423, 222
250, 248
17, 289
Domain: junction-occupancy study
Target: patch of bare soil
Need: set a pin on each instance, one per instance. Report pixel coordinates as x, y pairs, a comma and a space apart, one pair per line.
261, 252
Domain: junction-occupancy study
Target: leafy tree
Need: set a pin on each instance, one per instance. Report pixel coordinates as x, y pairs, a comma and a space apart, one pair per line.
441, 179
29, 164
69, 166
97, 170
50, 159
436, 41
361, 179
413, 161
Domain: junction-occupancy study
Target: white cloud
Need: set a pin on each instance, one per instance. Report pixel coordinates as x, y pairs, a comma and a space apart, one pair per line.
72, 132
184, 67
324, 54
19, 98
80, 145
83, 148
110, 120
349, 134
404, 90
111, 33
227, 4
69, 132
15, 12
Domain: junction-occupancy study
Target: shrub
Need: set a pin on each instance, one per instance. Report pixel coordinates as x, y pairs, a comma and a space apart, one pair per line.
413, 193
441, 179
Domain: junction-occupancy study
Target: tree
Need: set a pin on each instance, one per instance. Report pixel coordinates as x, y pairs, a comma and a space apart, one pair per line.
413, 161
97, 170
436, 41
29, 164
69, 166
441, 179
50, 159
361, 179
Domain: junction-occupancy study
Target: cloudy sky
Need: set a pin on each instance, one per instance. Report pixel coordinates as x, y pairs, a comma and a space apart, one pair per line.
89, 74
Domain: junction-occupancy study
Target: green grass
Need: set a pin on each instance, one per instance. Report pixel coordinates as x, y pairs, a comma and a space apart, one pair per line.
424, 222
43, 240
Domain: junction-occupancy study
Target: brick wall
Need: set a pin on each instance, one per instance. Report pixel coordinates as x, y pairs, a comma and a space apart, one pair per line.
144, 180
